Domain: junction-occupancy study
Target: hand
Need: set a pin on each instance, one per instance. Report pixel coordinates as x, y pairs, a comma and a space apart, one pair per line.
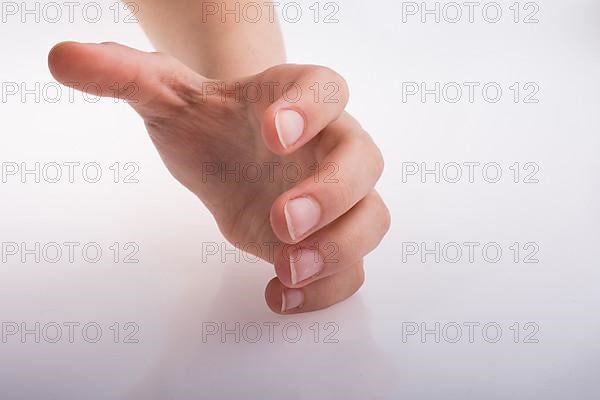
235, 150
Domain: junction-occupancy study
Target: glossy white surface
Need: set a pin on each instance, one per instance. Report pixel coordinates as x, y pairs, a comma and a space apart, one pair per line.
175, 296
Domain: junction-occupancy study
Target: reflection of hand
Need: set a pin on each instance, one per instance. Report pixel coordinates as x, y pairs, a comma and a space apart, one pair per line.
241, 155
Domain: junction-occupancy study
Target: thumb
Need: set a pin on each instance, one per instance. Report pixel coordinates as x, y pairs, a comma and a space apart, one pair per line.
147, 81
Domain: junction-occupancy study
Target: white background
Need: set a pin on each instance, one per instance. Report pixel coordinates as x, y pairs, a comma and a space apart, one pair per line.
171, 294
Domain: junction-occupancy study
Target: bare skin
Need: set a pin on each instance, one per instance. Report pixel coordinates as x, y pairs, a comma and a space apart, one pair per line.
214, 43
200, 132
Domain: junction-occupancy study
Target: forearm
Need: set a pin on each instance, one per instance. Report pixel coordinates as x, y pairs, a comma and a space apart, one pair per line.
203, 36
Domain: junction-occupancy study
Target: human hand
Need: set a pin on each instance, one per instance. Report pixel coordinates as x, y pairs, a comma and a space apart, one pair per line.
316, 230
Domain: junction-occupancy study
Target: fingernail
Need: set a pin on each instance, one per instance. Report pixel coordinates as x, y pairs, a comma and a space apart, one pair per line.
304, 264
301, 215
291, 298
290, 126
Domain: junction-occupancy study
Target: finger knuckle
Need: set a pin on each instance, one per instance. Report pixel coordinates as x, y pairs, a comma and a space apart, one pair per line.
386, 218
360, 278
381, 211
378, 161
374, 157
331, 77
346, 195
